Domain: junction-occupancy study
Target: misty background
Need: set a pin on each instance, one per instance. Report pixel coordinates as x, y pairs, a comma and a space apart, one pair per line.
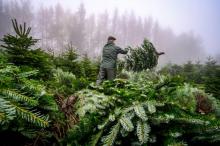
185, 31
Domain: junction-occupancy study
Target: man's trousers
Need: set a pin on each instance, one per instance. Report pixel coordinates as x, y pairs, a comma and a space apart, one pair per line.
106, 74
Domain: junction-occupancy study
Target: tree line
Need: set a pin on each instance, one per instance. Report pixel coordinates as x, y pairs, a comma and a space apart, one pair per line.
58, 27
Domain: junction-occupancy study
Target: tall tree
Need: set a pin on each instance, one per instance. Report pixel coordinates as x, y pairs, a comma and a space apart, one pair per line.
155, 33
22, 11
90, 34
58, 26
124, 28
114, 25
4, 27
102, 32
81, 26
41, 23
131, 28
147, 27
77, 32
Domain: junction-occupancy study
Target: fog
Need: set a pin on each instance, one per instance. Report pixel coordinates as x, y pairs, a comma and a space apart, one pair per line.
186, 30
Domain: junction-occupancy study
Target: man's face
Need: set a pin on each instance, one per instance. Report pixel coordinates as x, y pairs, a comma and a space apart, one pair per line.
112, 41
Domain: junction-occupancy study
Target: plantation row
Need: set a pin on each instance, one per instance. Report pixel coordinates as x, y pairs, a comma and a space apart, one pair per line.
48, 99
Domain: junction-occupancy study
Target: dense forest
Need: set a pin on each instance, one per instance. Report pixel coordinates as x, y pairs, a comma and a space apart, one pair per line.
57, 27
49, 99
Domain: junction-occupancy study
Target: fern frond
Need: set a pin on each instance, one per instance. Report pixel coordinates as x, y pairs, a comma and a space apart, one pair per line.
140, 112
18, 97
143, 130
126, 124
111, 137
35, 118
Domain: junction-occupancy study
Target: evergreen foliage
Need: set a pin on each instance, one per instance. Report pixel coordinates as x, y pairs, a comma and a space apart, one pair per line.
144, 112
25, 106
81, 67
206, 75
90, 68
142, 58
17, 101
56, 105
20, 51
212, 77
67, 61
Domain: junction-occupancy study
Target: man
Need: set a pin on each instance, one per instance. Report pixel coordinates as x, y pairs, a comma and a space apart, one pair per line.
109, 59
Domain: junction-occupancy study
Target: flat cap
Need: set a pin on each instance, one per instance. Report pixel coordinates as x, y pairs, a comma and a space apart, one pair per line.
111, 38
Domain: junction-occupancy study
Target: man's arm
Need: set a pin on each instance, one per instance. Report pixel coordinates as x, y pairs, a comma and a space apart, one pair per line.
121, 51
160, 53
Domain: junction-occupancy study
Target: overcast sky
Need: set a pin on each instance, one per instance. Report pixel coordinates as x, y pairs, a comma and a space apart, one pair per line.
199, 16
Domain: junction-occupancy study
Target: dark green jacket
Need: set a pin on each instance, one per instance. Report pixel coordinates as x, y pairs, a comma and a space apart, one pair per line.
109, 55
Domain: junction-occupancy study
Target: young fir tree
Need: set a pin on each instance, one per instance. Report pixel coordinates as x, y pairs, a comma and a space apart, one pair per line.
212, 77
21, 52
68, 62
89, 68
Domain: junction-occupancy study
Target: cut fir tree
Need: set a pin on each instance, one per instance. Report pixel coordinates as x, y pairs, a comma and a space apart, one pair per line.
158, 111
143, 57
